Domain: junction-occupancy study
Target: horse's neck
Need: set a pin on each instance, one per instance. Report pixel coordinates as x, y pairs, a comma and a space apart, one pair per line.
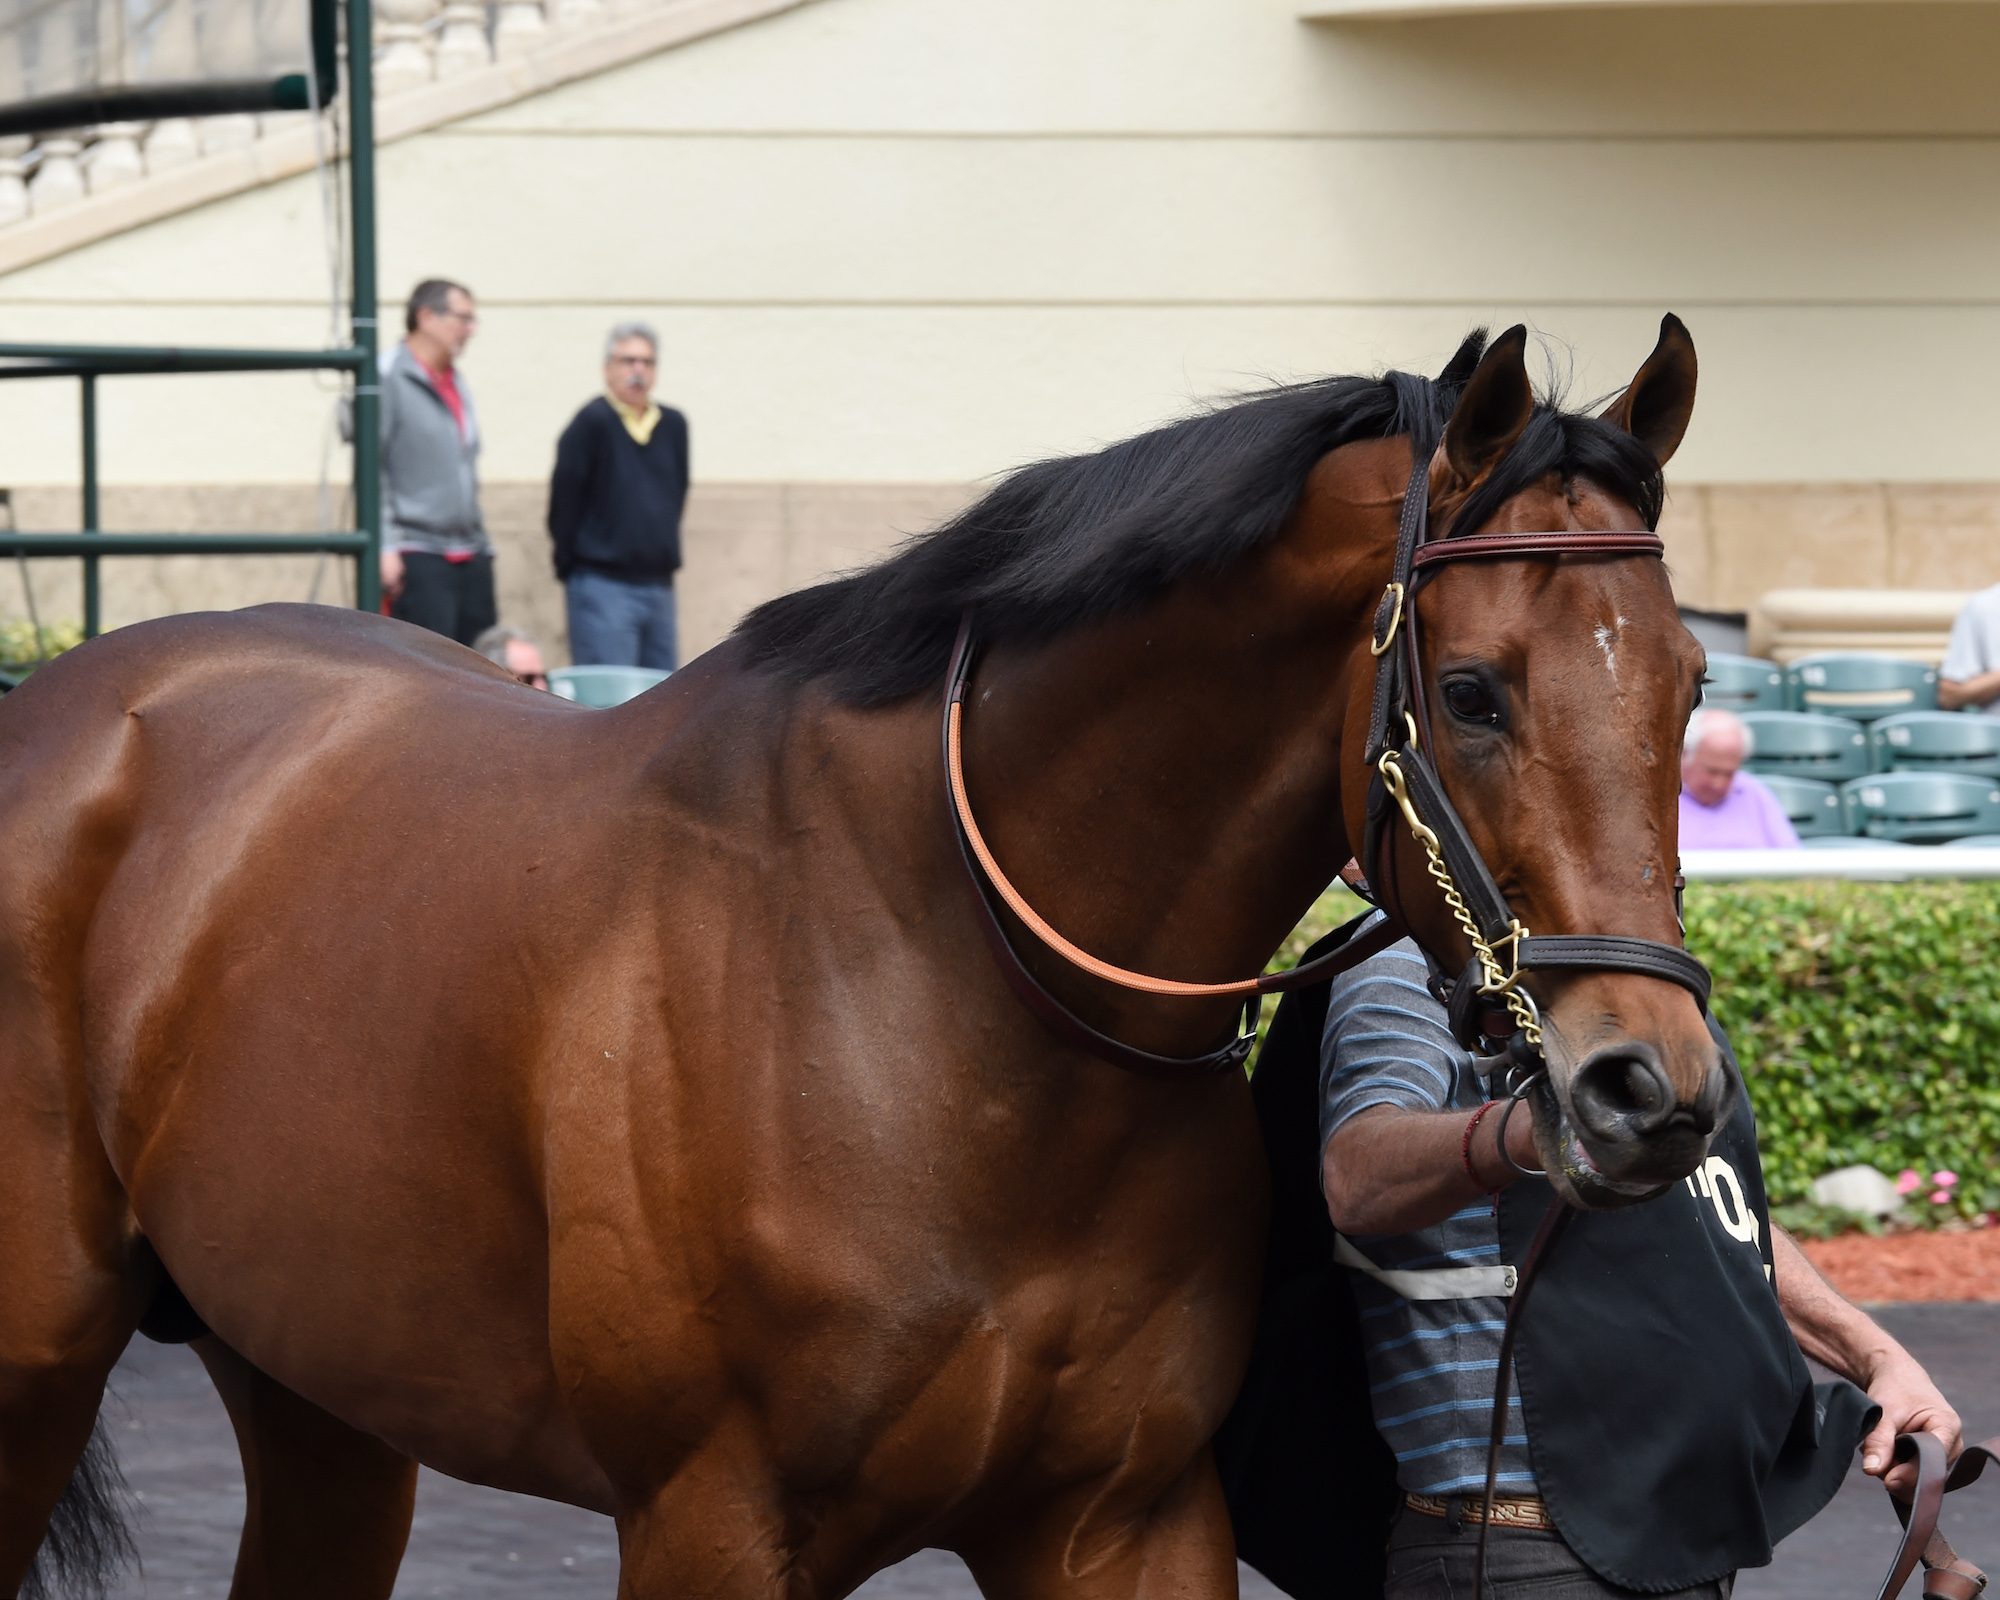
1165, 792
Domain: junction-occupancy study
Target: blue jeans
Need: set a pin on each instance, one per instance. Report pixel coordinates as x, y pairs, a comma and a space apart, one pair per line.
613, 623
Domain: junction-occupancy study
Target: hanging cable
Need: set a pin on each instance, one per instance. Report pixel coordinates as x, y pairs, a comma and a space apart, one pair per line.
333, 233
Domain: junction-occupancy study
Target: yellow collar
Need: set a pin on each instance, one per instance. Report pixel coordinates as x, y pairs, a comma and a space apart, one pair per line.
640, 424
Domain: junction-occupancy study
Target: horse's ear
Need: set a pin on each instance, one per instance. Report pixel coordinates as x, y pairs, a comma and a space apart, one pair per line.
1658, 402
1492, 413
1464, 360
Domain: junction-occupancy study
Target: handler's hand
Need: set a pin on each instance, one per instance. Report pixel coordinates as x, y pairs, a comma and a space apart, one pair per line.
1910, 1403
392, 574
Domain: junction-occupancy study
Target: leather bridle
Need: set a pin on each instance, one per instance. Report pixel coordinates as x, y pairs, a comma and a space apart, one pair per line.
1487, 1001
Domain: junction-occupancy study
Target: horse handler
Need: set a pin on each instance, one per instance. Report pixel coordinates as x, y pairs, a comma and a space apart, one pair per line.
1663, 1429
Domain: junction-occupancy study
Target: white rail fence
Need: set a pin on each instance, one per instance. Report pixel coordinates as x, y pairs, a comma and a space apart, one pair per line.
1886, 863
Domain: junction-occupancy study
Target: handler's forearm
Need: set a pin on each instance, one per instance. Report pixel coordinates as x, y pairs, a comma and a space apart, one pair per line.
1979, 691
1832, 1330
1847, 1339
1393, 1171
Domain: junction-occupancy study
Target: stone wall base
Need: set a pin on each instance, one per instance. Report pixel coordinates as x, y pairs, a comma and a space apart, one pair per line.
742, 543
1727, 545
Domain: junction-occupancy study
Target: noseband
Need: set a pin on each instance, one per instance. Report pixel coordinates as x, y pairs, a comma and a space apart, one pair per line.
1487, 1001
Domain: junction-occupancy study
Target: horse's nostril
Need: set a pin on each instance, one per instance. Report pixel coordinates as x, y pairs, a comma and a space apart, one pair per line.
1714, 1101
1622, 1094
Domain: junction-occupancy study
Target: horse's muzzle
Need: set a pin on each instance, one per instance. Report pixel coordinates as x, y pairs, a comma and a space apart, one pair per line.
1619, 1131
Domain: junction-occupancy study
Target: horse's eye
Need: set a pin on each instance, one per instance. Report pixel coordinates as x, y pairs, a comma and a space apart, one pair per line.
1470, 702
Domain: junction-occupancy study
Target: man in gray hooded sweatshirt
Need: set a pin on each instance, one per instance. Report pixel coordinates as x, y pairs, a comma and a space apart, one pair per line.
437, 563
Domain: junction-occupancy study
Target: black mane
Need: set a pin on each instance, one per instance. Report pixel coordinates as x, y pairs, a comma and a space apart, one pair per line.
1076, 539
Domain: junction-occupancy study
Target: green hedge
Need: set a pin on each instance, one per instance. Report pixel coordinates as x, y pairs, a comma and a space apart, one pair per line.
1866, 1016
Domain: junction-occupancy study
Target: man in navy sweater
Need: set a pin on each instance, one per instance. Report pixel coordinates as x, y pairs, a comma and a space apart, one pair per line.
615, 503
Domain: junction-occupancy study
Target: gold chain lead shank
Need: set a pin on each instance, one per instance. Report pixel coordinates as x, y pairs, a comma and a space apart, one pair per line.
1494, 979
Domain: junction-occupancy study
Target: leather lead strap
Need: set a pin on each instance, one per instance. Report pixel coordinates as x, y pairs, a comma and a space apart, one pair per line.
1949, 1576
1554, 1220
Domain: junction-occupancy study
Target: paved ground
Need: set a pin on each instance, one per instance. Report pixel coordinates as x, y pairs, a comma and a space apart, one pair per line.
1843, 1553
181, 1460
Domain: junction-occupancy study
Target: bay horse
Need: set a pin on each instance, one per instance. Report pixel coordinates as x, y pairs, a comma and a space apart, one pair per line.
621, 1107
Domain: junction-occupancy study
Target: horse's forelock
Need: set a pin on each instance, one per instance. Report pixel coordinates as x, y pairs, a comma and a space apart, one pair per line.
1570, 445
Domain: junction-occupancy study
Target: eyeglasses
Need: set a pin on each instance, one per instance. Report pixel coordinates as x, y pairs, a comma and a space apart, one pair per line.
469, 318
633, 361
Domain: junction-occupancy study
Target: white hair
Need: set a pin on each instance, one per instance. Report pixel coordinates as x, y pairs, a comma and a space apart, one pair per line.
1715, 719
492, 644
632, 330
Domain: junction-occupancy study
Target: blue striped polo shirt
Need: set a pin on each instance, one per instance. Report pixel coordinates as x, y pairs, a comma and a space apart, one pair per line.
1431, 1363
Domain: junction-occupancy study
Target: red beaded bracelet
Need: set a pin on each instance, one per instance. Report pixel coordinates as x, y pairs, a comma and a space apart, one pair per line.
1465, 1149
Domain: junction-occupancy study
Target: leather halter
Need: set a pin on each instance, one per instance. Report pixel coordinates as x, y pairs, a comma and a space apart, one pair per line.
1396, 671
1399, 729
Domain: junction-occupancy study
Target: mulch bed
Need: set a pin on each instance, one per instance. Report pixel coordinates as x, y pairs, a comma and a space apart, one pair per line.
1911, 1266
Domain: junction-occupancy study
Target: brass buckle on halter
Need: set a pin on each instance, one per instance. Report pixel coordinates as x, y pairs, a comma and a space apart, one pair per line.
1497, 982
1377, 645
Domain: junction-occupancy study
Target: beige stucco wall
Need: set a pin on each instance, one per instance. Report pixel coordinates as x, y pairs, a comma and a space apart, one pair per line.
913, 242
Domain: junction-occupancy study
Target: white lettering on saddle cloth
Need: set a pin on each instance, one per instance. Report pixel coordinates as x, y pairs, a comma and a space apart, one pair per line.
1716, 1180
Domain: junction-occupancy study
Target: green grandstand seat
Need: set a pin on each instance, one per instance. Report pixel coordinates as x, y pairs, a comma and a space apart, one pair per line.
1860, 686
1847, 841
603, 687
1922, 807
1813, 806
1743, 683
1975, 841
1804, 744
1936, 741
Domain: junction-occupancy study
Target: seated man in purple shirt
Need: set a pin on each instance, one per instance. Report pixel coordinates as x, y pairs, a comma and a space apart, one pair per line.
1723, 807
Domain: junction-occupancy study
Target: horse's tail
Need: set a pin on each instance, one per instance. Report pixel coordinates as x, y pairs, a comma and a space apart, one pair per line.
89, 1542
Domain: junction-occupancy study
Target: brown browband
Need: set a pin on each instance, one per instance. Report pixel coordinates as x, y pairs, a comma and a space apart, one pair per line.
1581, 542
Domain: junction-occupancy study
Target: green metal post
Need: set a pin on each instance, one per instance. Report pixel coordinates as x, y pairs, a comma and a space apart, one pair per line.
93, 615
367, 337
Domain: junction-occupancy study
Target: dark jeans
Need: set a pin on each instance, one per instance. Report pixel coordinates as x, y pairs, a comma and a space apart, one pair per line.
1427, 1561
454, 598
616, 623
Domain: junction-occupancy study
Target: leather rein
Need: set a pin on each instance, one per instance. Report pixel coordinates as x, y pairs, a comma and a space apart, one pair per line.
1488, 1000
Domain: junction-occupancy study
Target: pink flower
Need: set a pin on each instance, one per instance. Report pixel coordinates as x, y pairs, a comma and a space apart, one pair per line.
1944, 1180
1909, 1181
1941, 1198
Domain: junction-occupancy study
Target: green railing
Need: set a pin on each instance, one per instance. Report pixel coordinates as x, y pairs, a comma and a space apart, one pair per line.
88, 363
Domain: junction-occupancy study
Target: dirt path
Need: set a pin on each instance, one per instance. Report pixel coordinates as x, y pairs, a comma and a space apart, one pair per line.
1911, 1267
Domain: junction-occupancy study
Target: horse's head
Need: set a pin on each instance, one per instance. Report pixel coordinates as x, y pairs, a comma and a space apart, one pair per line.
1558, 688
